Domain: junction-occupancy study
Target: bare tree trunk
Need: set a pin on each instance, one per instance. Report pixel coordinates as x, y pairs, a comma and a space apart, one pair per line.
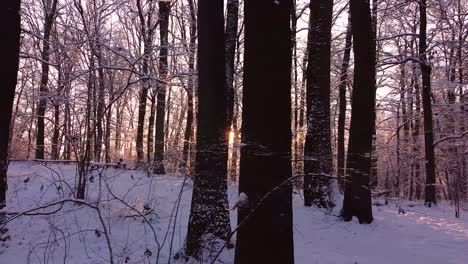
417, 126
397, 186
209, 213
100, 105
87, 153
357, 196
50, 13
430, 190
107, 144
164, 10
266, 234
318, 161
147, 32
141, 122
190, 87
55, 154
342, 104
55, 137
118, 129
10, 32
150, 142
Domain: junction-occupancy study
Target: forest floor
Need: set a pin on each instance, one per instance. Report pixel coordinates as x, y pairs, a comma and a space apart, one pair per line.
134, 215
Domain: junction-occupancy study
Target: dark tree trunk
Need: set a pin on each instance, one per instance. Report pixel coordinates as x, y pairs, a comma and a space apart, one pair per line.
141, 121
100, 106
43, 88
107, 135
406, 125
209, 213
357, 197
55, 154
150, 142
318, 161
417, 125
168, 117
67, 126
397, 183
265, 234
430, 190
190, 88
147, 32
342, 105
164, 10
87, 152
56, 135
10, 32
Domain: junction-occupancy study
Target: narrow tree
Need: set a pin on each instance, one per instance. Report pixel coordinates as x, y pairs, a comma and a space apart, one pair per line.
9, 15
318, 163
342, 104
209, 213
50, 9
430, 192
374, 155
265, 234
357, 196
147, 29
164, 11
150, 140
190, 86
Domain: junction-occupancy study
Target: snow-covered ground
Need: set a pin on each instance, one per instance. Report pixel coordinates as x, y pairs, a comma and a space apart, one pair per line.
140, 214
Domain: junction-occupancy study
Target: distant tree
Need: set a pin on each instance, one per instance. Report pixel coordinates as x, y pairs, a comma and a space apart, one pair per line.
265, 235
10, 32
357, 195
430, 190
191, 84
147, 30
318, 161
374, 155
50, 10
209, 213
164, 11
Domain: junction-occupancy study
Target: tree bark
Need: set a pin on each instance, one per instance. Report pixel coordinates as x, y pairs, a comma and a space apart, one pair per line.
164, 10
147, 31
56, 135
318, 161
9, 15
209, 213
265, 232
430, 190
151, 126
357, 197
416, 129
100, 104
50, 13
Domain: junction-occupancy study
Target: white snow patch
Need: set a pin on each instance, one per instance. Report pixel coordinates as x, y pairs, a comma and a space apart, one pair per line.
75, 234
